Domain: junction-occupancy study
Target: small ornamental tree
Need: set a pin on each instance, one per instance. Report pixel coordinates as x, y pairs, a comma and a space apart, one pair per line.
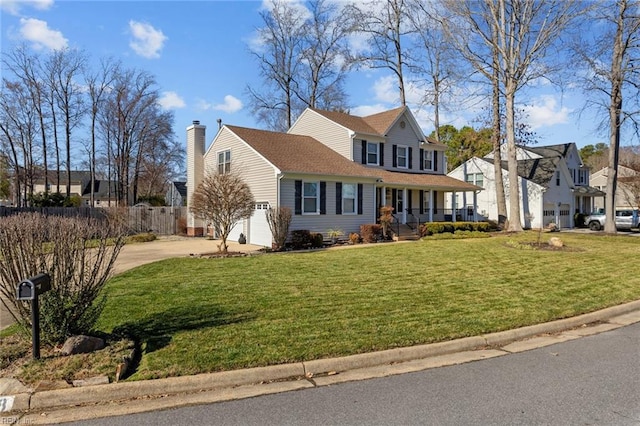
279, 220
222, 199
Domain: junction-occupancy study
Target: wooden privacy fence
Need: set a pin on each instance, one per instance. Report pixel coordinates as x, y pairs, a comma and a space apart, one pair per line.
159, 220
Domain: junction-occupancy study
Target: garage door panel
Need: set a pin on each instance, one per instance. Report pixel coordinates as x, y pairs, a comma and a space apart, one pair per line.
259, 232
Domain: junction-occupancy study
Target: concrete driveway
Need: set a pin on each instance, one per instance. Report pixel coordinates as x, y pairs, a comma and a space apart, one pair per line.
133, 255
137, 254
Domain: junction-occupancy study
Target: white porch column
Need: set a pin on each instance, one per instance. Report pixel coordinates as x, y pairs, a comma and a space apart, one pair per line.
404, 205
454, 207
475, 206
431, 205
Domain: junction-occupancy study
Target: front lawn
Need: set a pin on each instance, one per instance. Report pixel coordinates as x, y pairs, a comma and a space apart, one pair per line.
204, 315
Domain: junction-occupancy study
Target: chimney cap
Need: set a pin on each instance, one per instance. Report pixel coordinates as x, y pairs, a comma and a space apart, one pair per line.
196, 122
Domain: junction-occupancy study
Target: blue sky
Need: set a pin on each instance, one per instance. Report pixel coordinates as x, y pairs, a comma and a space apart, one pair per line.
198, 51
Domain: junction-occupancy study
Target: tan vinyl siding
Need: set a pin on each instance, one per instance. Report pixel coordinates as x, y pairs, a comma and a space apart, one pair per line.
322, 223
257, 173
322, 129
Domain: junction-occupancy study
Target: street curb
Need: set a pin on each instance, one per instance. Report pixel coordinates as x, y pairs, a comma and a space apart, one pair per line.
56, 399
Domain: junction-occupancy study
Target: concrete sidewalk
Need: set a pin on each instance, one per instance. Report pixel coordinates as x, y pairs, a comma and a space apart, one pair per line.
55, 406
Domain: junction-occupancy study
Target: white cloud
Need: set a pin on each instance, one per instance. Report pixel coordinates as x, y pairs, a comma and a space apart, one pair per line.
40, 35
364, 110
171, 100
545, 112
147, 41
13, 7
230, 105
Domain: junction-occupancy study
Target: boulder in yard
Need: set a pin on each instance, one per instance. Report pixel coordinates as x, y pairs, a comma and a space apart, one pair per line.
82, 345
555, 242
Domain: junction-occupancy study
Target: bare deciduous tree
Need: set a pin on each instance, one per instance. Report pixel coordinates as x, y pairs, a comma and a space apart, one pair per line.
301, 55
612, 83
386, 24
279, 220
222, 199
518, 35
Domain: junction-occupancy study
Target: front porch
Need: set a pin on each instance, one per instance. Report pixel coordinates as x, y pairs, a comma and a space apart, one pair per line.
413, 207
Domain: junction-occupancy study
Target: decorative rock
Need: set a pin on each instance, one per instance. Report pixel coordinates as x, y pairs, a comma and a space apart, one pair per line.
47, 385
82, 345
99, 380
9, 386
555, 242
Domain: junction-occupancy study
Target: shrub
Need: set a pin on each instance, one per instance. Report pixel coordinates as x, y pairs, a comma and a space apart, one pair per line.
145, 237
432, 228
371, 233
300, 238
77, 253
317, 240
354, 238
279, 221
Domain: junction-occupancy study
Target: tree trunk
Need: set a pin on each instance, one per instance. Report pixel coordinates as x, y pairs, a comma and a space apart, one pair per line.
496, 138
515, 224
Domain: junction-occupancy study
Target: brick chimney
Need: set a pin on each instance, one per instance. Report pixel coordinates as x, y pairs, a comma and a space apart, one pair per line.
195, 172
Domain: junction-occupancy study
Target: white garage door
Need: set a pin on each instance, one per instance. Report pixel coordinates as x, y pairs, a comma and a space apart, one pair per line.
234, 235
259, 232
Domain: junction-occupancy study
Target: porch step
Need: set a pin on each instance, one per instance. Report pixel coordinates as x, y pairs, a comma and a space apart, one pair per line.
405, 234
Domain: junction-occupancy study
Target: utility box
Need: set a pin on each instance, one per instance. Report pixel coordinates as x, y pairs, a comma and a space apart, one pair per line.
31, 288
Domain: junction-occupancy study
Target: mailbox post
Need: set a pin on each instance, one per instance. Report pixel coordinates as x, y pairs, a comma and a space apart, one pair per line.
30, 289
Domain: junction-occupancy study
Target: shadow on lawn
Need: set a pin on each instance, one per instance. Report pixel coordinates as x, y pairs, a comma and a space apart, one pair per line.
156, 331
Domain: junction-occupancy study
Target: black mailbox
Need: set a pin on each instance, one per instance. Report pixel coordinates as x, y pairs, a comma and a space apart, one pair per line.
31, 288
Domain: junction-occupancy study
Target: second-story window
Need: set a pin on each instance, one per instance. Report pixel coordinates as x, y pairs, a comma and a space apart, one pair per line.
475, 179
401, 157
372, 153
582, 177
427, 160
224, 161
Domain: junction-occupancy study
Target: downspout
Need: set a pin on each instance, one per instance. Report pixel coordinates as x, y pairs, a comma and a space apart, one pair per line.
542, 208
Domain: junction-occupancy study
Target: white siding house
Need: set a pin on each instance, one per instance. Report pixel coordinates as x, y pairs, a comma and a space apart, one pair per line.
554, 185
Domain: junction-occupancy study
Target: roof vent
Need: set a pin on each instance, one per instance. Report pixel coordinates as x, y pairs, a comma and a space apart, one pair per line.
196, 122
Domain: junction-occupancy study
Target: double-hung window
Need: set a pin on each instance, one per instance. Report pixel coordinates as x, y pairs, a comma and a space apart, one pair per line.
402, 157
349, 198
311, 198
475, 179
224, 161
427, 160
373, 153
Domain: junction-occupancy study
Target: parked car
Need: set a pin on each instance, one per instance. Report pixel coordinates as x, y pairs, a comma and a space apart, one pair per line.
625, 219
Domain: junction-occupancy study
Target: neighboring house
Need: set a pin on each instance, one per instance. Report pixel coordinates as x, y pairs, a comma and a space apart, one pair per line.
104, 194
553, 182
333, 170
176, 195
78, 182
627, 189
104, 191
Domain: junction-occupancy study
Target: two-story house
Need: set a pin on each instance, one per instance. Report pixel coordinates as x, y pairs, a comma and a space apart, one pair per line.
553, 182
332, 169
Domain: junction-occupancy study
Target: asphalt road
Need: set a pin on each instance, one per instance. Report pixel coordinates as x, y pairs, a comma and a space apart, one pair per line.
589, 381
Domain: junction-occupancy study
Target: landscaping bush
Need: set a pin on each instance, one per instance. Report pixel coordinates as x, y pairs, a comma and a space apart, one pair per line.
354, 238
370, 233
300, 238
433, 228
317, 240
77, 253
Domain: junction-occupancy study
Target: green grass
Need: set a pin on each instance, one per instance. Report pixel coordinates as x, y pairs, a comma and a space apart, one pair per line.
203, 315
